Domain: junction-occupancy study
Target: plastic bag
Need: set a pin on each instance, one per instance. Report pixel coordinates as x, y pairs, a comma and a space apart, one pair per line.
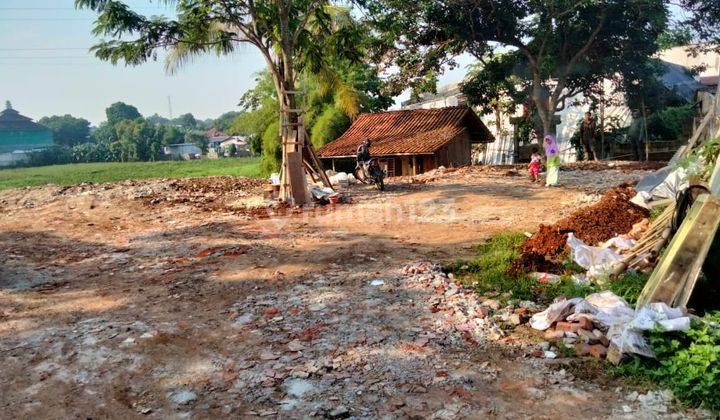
555, 312
663, 183
620, 243
590, 256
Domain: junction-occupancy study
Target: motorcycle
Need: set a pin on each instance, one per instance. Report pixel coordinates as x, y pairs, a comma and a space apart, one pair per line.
370, 172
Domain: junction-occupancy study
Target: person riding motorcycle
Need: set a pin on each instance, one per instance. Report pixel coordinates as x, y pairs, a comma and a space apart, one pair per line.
363, 156
363, 151
367, 168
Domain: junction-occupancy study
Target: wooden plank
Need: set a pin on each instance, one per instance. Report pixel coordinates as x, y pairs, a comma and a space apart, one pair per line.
715, 179
695, 137
297, 178
675, 276
315, 161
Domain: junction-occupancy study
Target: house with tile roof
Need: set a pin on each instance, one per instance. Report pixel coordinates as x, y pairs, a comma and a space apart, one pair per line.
20, 135
410, 142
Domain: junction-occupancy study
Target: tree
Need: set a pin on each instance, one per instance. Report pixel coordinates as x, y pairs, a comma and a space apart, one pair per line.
157, 120
674, 37
199, 140
120, 111
703, 22
292, 36
564, 46
105, 133
186, 120
223, 122
231, 150
173, 135
67, 130
329, 126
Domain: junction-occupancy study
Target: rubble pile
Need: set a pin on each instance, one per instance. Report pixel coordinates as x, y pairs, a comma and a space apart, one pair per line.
211, 193
614, 215
475, 318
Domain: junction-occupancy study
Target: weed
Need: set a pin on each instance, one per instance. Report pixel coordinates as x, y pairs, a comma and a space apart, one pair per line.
628, 286
655, 212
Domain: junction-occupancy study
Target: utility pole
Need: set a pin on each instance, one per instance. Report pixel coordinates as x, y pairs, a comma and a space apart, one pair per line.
169, 107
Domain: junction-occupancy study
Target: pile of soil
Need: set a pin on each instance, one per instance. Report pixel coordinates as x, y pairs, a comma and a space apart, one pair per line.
612, 216
211, 193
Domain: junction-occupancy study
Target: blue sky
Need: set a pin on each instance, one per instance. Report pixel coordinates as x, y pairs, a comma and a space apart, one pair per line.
45, 68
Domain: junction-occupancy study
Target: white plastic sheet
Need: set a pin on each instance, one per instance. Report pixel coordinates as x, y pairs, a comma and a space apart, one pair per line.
609, 311
594, 259
664, 183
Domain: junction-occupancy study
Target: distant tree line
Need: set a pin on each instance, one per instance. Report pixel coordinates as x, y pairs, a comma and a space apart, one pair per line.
125, 136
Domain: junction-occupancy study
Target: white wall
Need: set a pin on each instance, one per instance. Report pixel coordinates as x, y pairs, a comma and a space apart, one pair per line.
679, 55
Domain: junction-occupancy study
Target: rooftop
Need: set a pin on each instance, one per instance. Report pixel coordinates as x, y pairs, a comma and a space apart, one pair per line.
417, 131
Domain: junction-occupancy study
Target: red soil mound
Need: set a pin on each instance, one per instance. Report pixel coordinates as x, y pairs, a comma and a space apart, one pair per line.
613, 215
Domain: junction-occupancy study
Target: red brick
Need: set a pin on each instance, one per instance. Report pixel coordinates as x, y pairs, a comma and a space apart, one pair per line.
582, 349
598, 351
554, 334
567, 326
585, 324
521, 311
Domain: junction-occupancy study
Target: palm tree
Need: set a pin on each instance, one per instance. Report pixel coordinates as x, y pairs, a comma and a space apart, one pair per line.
293, 36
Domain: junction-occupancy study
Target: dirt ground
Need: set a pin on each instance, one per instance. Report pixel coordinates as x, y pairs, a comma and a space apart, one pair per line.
179, 299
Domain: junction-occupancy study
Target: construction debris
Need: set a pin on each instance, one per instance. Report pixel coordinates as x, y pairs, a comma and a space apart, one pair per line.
604, 325
614, 215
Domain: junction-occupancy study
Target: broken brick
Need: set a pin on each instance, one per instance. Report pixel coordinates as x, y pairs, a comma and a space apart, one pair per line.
554, 334
597, 351
567, 326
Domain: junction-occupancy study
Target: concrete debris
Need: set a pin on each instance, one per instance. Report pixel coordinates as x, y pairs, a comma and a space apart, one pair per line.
183, 397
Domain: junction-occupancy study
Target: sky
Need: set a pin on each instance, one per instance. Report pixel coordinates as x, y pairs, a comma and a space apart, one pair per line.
46, 69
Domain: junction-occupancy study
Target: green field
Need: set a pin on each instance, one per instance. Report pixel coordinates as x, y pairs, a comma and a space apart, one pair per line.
116, 171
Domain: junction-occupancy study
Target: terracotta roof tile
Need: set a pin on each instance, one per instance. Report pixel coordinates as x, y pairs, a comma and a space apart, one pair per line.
417, 131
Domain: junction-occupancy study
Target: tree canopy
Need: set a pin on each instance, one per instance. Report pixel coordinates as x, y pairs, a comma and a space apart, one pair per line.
120, 111
560, 47
67, 130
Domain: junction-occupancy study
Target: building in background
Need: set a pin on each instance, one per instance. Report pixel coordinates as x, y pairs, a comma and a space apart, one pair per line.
19, 136
678, 77
186, 151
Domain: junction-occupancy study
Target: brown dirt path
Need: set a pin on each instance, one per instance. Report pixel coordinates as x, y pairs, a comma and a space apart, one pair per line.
111, 306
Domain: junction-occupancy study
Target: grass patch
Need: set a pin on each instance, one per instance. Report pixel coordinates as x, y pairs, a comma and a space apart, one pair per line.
656, 212
628, 286
489, 273
120, 171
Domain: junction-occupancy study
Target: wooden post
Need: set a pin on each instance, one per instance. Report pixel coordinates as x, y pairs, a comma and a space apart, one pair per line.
675, 276
647, 138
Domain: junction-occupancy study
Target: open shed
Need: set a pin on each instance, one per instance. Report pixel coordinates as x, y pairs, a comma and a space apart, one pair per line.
411, 142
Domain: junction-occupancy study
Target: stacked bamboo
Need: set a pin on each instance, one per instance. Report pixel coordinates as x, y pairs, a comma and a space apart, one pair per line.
644, 254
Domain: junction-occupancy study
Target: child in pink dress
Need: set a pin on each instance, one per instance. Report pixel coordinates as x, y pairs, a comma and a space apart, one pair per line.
535, 163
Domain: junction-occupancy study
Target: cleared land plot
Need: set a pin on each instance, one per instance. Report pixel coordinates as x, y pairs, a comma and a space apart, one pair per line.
123, 300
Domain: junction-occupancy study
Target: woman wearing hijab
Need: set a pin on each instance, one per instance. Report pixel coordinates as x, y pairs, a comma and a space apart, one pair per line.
552, 155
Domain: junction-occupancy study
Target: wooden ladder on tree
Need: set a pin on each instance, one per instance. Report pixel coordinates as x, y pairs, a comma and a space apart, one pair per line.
299, 157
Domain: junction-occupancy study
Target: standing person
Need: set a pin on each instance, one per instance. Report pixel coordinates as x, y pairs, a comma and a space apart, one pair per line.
552, 153
534, 167
636, 135
587, 135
